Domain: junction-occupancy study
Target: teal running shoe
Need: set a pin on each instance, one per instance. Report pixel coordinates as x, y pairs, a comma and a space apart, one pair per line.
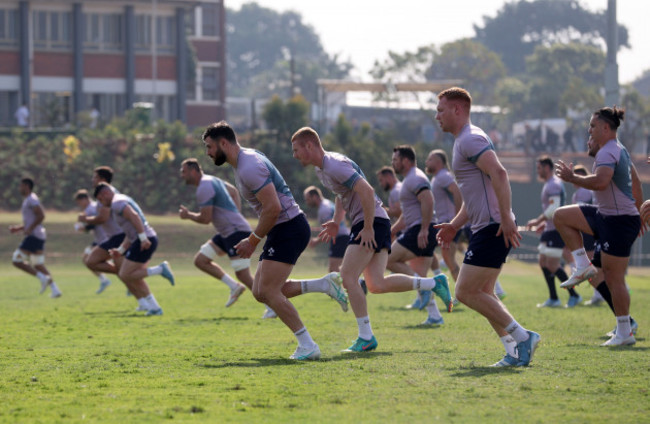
152, 312
167, 272
362, 345
433, 322
573, 301
442, 290
507, 361
306, 354
526, 349
336, 290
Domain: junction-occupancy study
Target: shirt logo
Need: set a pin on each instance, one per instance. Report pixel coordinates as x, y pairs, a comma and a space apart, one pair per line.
271, 251
469, 255
606, 245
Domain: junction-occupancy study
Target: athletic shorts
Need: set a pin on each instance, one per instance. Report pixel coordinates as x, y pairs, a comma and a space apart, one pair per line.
552, 239
134, 254
588, 241
32, 244
485, 249
409, 239
615, 233
337, 250
382, 233
286, 241
113, 242
227, 244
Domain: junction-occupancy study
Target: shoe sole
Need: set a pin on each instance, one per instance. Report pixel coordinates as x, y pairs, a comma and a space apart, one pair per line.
589, 274
235, 296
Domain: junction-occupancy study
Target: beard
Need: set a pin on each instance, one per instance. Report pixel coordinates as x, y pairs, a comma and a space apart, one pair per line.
219, 158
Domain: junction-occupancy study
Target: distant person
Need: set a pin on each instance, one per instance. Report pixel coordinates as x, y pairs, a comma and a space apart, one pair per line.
388, 182
138, 247
94, 117
314, 199
567, 137
22, 116
551, 245
89, 208
486, 193
30, 256
613, 219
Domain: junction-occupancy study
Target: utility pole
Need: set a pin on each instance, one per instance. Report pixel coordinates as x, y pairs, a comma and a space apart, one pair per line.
611, 69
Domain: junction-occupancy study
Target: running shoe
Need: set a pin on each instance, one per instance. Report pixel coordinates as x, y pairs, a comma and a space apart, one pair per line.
235, 293
433, 322
526, 349
425, 298
56, 293
619, 341
336, 291
141, 308
269, 314
580, 275
507, 361
152, 312
550, 303
501, 295
416, 303
103, 284
306, 354
442, 290
594, 301
573, 301
46, 281
167, 272
634, 326
362, 345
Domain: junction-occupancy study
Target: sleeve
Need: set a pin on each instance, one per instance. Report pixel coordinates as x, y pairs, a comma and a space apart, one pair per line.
475, 146
342, 172
446, 180
606, 158
255, 177
33, 202
419, 185
204, 195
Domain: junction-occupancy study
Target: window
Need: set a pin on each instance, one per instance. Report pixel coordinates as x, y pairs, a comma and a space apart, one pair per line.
52, 30
103, 32
190, 22
9, 27
165, 33
210, 22
210, 83
142, 32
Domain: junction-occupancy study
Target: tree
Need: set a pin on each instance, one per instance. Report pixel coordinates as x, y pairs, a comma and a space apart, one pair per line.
520, 26
635, 128
261, 44
284, 118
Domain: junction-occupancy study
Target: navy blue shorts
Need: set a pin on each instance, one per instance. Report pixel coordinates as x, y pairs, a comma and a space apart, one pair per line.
227, 244
485, 249
285, 242
113, 242
552, 239
337, 250
134, 254
382, 233
409, 239
615, 233
588, 241
32, 244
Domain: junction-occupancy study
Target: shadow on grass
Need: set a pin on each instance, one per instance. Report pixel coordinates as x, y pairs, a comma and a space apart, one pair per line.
403, 309
422, 327
209, 320
273, 362
478, 372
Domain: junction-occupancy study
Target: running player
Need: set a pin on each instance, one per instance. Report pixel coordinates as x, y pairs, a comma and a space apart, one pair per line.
485, 188
30, 256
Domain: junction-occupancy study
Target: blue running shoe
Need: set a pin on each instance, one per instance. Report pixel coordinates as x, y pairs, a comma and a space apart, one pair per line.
416, 303
526, 349
152, 312
362, 345
433, 322
425, 298
103, 284
507, 361
573, 301
167, 272
442, 290
306, 354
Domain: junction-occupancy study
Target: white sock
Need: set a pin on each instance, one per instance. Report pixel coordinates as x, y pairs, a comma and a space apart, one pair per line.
54, 287
498, 289
423, 283
151, 302
510, 345
154, 270
317, 285
432, 309
365, 331
580, 257
437, 272
41, 276
623, 328
304, 338
227, 280
142, 302
519, 333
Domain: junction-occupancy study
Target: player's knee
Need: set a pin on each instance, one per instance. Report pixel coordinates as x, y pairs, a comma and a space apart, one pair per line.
240, 264
38, 260
260, 295
19, 257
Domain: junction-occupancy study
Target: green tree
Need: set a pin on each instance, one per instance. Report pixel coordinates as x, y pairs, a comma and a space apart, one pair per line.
520, 26
284, 118
635, 128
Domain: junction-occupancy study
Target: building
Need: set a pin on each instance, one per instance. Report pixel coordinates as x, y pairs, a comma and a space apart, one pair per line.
62, 57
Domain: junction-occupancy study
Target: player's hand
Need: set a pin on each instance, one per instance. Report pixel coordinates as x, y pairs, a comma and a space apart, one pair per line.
446, 234
329, 232
423, 237
13, 229
183, 212
245, 248
367, 237
115, 253
564, 171
508, 229
145, 244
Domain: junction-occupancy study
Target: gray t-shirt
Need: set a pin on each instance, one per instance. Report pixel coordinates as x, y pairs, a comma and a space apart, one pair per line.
110, 227
254, 171
120, 201
339, 175
393, 195
29, 204
413, 184
326, 213
617, 198
99, 236
554, 187
583, 196
443, 201
226, 218
476, 188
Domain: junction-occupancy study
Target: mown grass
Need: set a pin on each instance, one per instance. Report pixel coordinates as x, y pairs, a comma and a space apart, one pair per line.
90, 358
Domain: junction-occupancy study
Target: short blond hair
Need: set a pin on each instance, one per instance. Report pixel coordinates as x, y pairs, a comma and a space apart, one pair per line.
306, 134
311, 191
457, 94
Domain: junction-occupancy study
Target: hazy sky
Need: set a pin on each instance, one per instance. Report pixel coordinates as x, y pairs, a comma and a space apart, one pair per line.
365, 30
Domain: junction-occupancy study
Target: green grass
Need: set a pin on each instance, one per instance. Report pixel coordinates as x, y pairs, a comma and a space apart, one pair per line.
87, 357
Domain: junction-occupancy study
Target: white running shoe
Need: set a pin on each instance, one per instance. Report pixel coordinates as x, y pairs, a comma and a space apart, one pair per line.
306, 354
617, 341
269, 313
56, 293
103, 284
235, 293
580, 275
46, 281
336, 290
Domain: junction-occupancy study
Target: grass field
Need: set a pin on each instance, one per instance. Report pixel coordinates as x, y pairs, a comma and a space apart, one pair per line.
91, 358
